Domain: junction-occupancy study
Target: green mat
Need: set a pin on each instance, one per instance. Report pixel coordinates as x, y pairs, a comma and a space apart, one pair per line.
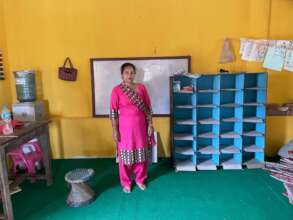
222, 194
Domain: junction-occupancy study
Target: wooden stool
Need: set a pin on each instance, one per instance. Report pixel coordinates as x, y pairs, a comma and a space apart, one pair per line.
81, 194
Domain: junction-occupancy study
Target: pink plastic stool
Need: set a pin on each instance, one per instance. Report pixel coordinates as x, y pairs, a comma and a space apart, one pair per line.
28, 156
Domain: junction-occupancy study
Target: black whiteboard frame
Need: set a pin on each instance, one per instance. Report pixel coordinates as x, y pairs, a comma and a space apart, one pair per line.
92, 60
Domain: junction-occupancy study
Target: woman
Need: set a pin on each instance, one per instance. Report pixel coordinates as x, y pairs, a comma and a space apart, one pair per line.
130, 112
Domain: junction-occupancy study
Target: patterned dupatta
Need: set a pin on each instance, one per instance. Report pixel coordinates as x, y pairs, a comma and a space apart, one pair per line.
136, 100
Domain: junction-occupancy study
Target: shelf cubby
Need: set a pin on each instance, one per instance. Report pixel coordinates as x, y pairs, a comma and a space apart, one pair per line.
207, 161
253, 160
231, 161
255, 81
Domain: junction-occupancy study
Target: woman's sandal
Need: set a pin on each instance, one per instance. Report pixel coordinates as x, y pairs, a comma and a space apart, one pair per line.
126, 189
141, 186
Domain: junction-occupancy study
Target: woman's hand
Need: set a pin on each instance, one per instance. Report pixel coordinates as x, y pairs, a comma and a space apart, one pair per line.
116, 136
150, 130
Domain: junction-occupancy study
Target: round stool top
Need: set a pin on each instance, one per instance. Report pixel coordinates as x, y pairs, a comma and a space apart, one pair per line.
79, 175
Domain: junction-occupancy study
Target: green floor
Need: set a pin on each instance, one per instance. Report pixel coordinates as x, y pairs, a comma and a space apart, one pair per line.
241, 194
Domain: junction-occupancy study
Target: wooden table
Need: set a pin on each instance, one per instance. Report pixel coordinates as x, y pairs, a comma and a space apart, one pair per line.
21, 136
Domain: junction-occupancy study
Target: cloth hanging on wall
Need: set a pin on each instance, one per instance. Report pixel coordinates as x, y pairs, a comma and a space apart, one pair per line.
227, 54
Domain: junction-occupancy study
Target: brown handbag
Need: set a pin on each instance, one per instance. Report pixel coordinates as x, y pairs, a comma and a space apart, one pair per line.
67, 73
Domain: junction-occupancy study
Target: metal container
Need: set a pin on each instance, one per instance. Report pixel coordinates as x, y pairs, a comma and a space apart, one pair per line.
25, 85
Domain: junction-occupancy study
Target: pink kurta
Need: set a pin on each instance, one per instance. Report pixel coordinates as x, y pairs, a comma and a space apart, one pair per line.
132, 121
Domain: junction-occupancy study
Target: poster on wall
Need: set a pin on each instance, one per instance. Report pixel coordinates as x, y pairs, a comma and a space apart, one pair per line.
153, 72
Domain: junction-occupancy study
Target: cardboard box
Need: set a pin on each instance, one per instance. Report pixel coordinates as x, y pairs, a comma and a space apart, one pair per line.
29, 111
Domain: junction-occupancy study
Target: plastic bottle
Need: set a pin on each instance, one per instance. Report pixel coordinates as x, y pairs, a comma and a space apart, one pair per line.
6, 117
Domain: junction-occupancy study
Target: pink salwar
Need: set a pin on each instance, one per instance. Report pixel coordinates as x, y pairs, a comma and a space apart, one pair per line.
125, 173
132, 126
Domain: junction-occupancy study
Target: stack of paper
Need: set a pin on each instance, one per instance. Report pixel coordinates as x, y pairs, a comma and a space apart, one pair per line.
184, 91
253, 149
283, 171
184, 150
253, 120
255, 88
231, 105
192, 75
231, 119
185, 106
206, 106
231, 164
183, 137
186, 122
253, 104
253, 134
231, 134
230, 150
230, 89
253, 164
185, 165
208, 90
183, 72
207, 165
208, 135
209, 121
209, 150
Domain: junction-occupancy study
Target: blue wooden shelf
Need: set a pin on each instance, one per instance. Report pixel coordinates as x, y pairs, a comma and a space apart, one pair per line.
220, 123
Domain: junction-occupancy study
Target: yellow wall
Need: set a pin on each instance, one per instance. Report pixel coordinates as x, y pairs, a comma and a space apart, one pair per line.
40, 34
5, 91
280, 129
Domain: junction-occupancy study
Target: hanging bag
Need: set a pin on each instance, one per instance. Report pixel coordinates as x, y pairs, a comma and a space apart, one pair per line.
67, 73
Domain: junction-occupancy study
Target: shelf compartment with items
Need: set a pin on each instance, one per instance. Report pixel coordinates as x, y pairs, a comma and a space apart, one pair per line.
231, 153
254, 144
231, 145
253, 129
207, 161
207, 131
253, 160
185, 163
231, 161
230, 130
208, 145
183, 85
208, 116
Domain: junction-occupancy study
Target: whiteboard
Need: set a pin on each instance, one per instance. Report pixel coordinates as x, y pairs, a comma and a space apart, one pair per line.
153, 72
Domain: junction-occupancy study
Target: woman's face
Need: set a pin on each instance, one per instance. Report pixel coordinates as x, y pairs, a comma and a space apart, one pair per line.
128, 74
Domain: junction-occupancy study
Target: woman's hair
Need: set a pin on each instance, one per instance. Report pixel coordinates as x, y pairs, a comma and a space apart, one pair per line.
124, 65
